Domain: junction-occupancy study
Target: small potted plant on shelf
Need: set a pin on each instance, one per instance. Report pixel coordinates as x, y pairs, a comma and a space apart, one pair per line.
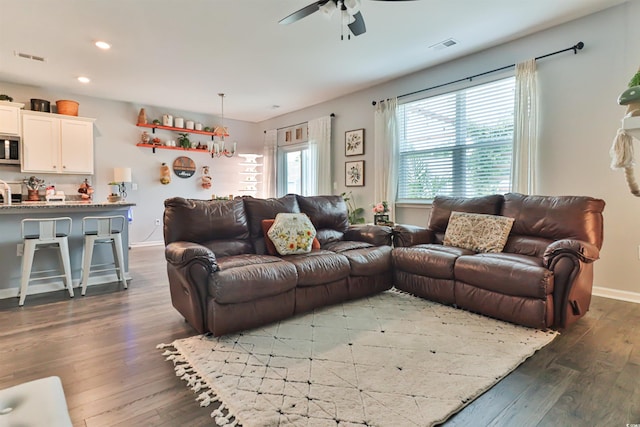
183, 140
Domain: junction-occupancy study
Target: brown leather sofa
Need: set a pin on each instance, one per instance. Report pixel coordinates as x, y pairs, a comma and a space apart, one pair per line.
222, 279
543, 277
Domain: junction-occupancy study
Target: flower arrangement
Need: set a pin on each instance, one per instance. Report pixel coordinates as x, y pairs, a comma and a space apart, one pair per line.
381, 213
381, 207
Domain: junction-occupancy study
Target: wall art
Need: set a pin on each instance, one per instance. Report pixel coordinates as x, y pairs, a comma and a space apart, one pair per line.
354, 142
354, 174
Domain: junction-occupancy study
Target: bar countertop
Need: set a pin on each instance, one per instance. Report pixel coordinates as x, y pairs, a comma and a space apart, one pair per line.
72, 205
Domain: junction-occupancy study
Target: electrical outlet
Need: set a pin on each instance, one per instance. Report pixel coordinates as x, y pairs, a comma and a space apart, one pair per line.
158, 221
134, 186
20, 249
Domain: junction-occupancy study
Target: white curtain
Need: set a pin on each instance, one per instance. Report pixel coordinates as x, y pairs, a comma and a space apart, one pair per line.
270, 160
319, 178
525, 134
385, 146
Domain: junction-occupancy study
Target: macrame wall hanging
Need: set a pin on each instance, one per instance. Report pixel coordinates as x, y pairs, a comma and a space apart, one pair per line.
622, 149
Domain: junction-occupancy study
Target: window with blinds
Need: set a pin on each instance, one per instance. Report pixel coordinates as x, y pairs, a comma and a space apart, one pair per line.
457, 144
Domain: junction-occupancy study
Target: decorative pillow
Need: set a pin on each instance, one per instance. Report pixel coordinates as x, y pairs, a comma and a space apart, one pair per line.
292, 233
271, 248
477, 232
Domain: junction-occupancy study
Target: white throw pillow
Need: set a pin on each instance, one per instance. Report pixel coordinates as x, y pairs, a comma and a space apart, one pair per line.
292, 233
478, 232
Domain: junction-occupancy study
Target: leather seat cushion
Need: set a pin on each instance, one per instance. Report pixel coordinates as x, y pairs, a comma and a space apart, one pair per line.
319, 267
431, 260
249, 277
370, 261
346, 245
508, 274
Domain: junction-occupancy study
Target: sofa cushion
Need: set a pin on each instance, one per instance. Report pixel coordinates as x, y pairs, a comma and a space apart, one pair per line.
556, 217
477, 232
201, 221
340, 246
443, 206
430, 260
328, 215
250, 277
370, 261
507, 274
319, 267
259, 209
292, 233
527, 245
271, 248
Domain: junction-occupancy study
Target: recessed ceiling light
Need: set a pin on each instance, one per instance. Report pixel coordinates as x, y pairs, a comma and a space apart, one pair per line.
83, 79
103, 45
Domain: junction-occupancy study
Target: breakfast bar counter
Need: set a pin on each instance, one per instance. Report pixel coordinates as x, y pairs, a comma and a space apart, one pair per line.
11, 244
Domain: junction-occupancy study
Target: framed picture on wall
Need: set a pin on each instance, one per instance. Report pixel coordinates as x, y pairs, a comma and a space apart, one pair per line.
354, 142
354, 174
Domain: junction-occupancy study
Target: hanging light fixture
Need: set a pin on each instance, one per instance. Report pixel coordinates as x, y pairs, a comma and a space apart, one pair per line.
219, 148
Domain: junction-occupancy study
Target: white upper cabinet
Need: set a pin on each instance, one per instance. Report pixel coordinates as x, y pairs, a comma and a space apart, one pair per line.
55, 143
10, 117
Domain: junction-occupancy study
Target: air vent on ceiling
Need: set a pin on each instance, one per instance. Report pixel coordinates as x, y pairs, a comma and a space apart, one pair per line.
443, 44
29, 56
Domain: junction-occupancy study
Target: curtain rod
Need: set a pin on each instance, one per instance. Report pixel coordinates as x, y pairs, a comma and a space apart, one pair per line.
575, 48
332, 115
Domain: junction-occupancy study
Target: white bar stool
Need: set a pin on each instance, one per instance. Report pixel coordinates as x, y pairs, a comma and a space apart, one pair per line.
40, 234
103, 229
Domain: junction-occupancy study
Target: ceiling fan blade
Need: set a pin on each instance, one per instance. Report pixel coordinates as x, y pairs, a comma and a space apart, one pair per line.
305, 11
357, 27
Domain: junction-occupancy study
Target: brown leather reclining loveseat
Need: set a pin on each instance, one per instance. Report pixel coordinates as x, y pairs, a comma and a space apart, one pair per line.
223, 280
542, 278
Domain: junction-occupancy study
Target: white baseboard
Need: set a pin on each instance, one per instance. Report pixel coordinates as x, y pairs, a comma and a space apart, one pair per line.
143, 244
58, 284
616, 294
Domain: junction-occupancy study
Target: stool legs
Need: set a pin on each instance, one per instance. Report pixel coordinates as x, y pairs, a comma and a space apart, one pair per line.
66, 264
119, 258
87, 254
27, 263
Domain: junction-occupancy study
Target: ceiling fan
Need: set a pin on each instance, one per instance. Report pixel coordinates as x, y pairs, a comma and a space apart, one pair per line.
350, 10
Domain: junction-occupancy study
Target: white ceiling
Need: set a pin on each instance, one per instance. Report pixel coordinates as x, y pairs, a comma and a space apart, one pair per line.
181, 53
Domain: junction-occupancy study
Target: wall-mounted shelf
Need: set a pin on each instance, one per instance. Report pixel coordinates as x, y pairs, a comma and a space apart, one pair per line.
181, 130
164, 147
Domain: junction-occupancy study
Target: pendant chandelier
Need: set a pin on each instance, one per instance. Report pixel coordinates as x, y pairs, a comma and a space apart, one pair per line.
219, 148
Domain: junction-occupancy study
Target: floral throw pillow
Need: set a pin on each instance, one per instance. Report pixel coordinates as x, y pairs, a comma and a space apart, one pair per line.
292, 233
271, 248
477, 232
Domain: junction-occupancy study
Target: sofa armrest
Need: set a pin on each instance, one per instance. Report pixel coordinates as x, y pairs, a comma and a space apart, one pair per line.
182, 253
584, 251
410, 235
377, 235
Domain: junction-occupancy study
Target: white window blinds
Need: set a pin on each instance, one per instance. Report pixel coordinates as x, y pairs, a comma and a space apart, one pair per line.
457, 144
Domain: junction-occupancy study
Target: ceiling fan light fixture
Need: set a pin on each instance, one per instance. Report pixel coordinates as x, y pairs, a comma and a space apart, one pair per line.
352, 6
328, 9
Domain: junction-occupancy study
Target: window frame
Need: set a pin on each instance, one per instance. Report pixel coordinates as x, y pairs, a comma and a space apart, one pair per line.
450, 88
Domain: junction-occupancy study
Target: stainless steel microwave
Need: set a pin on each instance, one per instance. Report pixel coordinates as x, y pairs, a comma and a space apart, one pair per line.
10, 149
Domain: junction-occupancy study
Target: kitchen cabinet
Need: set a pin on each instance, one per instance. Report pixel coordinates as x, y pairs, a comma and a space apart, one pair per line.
10, 117
55, 143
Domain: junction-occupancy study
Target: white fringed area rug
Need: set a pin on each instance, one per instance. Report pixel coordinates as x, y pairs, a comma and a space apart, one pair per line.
388, 360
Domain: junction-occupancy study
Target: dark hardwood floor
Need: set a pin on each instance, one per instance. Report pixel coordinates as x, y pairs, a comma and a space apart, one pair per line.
102, 346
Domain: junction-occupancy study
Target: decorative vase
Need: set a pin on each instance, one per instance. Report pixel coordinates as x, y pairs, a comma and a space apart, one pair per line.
142, 117
33, 195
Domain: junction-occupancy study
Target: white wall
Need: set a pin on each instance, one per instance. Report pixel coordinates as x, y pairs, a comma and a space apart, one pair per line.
116, 135
579, 118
